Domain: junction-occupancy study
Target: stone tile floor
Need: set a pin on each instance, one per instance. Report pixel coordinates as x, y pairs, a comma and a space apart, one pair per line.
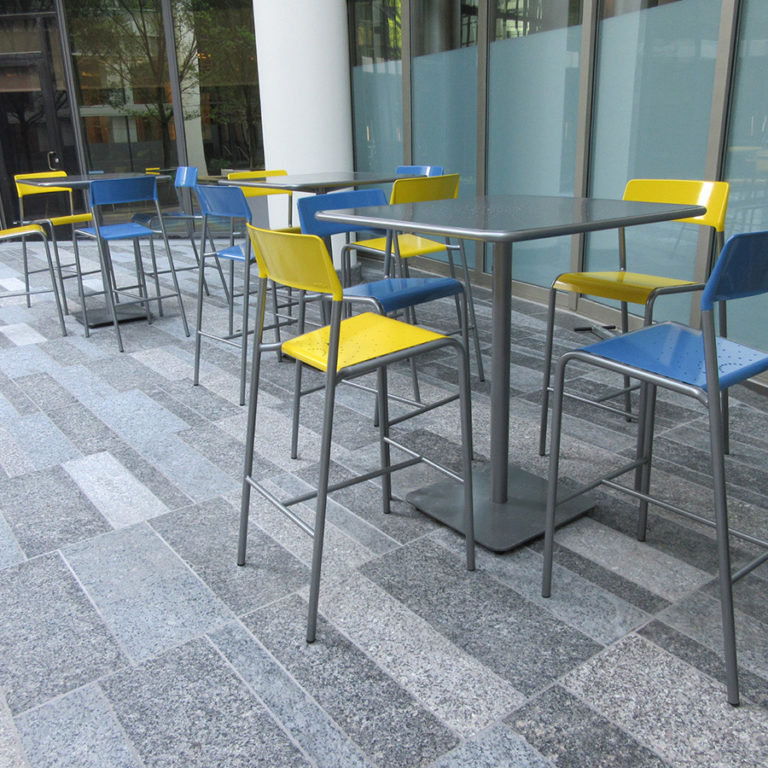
129, 637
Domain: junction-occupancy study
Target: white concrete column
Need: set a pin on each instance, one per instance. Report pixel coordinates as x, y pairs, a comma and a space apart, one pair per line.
302, 51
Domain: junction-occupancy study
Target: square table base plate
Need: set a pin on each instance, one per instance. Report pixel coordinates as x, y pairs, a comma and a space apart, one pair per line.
498, 527
99, 316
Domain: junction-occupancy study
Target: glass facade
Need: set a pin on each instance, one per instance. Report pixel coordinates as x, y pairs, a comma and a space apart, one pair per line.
533, 78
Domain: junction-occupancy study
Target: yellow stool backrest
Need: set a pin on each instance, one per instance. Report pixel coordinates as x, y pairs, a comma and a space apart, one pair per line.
712, 194
422, 188
28, 189
255, 191
296, 261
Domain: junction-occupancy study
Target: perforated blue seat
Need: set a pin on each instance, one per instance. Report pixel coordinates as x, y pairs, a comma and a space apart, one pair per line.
697, 363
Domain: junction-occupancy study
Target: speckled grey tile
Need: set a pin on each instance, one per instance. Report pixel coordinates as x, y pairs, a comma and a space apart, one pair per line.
11, 750
571, 735
45, 391
202, 399
457, 688
597, 613
14, 399
752, 687
144, 592
698, 616
14, 460
24, 361
43, 444
518, 640
670, 707
378, 715
53, 640
307, 723
46, 510
215, 445
187, 709
638, 561
10, 551
78, 730
627, 590
498, 747
114, 491
206, 537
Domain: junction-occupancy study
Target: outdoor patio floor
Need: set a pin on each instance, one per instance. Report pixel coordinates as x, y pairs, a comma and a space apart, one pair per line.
129, 636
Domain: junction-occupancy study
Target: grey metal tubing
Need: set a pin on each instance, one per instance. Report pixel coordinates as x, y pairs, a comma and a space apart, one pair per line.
385, 456
547, 375
324, 469
645, 430
250, 431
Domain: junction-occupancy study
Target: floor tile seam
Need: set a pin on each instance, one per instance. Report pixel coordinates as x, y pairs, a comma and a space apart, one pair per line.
14, 736
275, 717
608, 717
10, 532
107, 626
201, 582
544, 604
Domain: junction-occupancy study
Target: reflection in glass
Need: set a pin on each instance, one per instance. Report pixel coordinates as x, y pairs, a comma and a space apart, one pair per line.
747, 159
444, 86
533, 103
653, 100
377, 95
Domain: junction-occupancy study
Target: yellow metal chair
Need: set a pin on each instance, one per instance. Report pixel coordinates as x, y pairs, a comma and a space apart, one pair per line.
70, 219
261, 191
633, 287
343, 350
23, 233
405, 246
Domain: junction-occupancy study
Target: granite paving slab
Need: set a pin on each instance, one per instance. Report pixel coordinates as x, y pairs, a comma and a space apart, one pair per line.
515, 638
145, 593
205, 536
46, 510
53, 640
388, 725
11, 750
78, 730
303, 719
670, 707
188, 709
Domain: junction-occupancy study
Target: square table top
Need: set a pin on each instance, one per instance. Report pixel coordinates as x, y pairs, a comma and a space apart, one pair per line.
311, 182
511, 218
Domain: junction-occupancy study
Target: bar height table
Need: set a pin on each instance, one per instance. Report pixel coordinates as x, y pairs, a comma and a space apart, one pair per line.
318, 183
509, 502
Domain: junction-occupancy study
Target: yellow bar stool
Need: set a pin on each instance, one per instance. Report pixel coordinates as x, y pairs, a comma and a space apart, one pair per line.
71, 220
632, 287
23, 233
344, 349
261, 191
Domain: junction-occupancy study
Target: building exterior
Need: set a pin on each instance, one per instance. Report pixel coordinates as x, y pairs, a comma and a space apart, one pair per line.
557, 97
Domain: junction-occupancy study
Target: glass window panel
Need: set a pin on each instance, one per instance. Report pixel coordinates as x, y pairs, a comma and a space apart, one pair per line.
377, 85
216, 55
444, 87
652, 109
121, 65
533, 104
747, 161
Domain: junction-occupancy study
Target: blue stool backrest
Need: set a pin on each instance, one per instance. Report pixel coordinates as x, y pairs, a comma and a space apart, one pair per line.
219, 200
186, 176
741, 270
309, 206
128, 190
419, 170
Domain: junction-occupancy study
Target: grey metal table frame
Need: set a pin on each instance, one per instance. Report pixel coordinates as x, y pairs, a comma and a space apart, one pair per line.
98, 316
509, 502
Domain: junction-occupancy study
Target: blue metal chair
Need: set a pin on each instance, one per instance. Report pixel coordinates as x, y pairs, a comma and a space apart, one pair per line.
419, 170
699, 364
228, 204
130, 190
387, 296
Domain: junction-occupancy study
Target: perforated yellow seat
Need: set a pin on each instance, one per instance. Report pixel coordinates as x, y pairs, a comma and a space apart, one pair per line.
633, 287
344, 349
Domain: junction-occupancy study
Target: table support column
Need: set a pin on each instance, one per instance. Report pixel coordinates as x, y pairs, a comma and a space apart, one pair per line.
502, 308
